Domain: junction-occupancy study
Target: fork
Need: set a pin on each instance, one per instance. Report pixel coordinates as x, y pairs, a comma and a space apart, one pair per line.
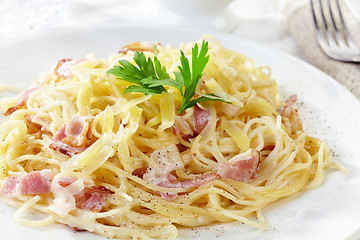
332, 35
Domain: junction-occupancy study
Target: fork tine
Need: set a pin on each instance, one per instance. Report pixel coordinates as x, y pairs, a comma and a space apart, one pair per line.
319, 33
339, 38
344, 28
313, 14
323, 15
329, 37
332, 36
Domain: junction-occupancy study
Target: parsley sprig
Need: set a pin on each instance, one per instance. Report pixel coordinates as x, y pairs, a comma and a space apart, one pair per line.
150, 77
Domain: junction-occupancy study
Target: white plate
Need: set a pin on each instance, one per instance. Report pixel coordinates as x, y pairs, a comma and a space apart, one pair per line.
328, 111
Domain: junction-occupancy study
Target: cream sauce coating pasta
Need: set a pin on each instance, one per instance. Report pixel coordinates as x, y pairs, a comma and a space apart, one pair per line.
130, 166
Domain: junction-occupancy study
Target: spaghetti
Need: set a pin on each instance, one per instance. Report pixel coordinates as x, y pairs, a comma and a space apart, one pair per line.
130, 166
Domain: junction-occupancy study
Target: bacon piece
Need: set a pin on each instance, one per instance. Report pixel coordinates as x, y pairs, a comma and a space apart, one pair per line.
72, 137
242, 167
66, 149
182, 128
200, 180
268, 148
37, 182
190, 183
86, 195
290, 112
65, 181
38, 122
291, 100
168, 196
63, 67
93, 198
140, 47
60, 70
201, 118
195, 126
21, 103
168, 159
29, 118
76, 131
9, 186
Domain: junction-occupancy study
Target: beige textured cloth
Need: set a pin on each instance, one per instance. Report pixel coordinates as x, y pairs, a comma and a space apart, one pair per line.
301, 27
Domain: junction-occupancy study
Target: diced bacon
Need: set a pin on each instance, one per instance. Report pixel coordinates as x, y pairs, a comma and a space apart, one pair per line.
65, 148
291, 100
182, 128
72, 137
37, 182
201, 118
60, 134
268, 148
190, 183
65, 181
168, 196
168, 159
29, 118
38, 122
290, 112
11, 110
63, 68
195, 126
92, 198
21, 103
71, 192
176, 130
25, 96
62, 71
76, 131
242, 167
64, 189
93, 203
200, 180
9, 186
140, 47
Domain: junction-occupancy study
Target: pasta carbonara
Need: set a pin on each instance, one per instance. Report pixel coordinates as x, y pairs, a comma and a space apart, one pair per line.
128, 165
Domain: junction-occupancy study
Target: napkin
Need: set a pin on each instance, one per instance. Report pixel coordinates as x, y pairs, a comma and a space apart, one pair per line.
301, 27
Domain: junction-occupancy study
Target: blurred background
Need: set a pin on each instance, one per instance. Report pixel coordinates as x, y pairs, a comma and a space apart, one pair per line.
286, 25
260, 20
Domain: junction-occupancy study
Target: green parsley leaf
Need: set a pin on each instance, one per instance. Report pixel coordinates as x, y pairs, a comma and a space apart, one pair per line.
161, 71
142, 75
150, 77
207, 97
142, 89
163, 82
199, 61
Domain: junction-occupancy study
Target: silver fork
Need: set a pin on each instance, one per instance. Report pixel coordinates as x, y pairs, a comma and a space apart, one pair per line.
332, 35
